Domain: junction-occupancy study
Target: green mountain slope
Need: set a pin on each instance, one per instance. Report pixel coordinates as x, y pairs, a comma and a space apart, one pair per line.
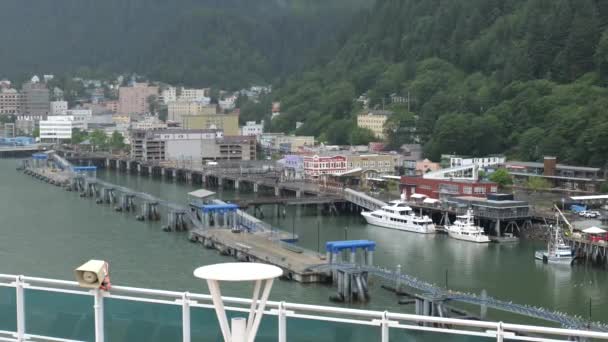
226, 43
526, 77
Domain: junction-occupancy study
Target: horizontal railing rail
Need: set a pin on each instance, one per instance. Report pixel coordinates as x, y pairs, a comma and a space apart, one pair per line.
384, 320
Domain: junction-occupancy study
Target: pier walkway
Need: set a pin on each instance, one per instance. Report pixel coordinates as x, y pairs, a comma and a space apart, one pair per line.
565, 320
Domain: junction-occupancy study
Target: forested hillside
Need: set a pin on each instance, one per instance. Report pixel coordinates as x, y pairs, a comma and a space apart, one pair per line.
526, 77
224, 43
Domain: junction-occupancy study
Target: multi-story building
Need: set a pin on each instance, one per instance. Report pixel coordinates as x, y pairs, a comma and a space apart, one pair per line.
448, 160
228, 103
173, 94
318, 165
111, 106
293, 143
383, 163
59, 107
178, 109
10, 101
57, 128
193, 146
252, 128
27, 123
374, 120
229, 123
559, 176
35, 99
134, 99
268, 140
444, 188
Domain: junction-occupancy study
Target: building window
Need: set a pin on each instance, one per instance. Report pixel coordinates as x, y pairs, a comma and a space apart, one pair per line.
480, 190
467, 190
494, 189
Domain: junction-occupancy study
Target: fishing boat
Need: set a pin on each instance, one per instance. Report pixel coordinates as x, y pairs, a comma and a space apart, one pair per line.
557, 251
398, 215
464, 228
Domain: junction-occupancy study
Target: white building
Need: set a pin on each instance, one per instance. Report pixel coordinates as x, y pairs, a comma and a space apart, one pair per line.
252, 129
59, 107
56, 128
228, 103
482, 162
193, 95
81, 117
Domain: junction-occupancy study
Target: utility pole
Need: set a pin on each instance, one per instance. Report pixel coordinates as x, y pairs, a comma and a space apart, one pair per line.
408, 101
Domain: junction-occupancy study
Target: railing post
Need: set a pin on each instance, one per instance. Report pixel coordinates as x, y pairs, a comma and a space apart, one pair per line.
282, 323
98, 308
384, 327
499, 332
20, 304
186, 317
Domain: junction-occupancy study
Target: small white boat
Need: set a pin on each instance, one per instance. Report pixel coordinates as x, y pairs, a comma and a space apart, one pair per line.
464, 228
557, 251
398, 215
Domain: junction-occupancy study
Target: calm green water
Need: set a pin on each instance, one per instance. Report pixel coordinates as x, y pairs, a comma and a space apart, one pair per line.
46, 231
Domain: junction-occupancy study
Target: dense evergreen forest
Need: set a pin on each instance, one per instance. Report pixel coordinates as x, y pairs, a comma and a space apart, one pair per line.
526, 77
224, 43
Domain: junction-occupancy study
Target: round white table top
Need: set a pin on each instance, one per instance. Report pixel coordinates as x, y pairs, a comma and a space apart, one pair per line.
238, 271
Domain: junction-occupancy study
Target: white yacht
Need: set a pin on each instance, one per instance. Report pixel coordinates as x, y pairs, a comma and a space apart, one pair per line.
557, 251
464, 228
398, 215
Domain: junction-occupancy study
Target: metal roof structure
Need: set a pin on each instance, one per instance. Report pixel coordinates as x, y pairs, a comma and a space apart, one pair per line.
201, 193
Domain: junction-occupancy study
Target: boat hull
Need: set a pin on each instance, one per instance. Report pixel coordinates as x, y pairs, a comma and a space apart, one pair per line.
544, 257
426, 229
475, 239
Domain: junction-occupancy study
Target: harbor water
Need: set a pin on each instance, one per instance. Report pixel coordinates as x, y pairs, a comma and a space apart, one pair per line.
47, 232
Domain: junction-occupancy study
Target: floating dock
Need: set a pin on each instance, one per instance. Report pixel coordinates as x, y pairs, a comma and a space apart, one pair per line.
256, 247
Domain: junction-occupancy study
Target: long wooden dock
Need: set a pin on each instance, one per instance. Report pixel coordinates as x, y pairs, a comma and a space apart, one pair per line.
245, 246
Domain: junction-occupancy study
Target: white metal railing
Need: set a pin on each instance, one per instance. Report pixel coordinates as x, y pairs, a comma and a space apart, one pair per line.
384, 320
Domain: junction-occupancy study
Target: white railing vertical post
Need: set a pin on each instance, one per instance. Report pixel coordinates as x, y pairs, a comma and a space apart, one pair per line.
20, 305
499, 332
282, 323
98, 308
384, 327
186, 317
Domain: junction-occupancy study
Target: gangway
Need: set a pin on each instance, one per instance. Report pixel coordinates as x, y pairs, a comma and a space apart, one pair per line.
563, 319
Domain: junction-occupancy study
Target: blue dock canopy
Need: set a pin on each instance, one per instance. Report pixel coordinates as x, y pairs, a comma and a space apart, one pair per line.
84, 168
210, 208
337, 246
40, 156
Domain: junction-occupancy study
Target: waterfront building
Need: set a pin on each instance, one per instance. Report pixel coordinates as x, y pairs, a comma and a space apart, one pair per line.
192, 145
229, 123
252, 128
36, 99
560, 176
134, 99
449, 160
10, 101
374, 120
381, 163
318, 165
292, 167
442, 188
59, 107
58, 128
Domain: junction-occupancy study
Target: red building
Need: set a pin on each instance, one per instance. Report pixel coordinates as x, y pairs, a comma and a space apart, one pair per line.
439, 188
314, 166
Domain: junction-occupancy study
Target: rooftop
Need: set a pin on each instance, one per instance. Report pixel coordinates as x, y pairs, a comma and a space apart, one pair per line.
558, 166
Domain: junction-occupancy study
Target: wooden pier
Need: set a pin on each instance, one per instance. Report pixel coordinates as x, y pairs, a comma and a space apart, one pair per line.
256, 247
593, 252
